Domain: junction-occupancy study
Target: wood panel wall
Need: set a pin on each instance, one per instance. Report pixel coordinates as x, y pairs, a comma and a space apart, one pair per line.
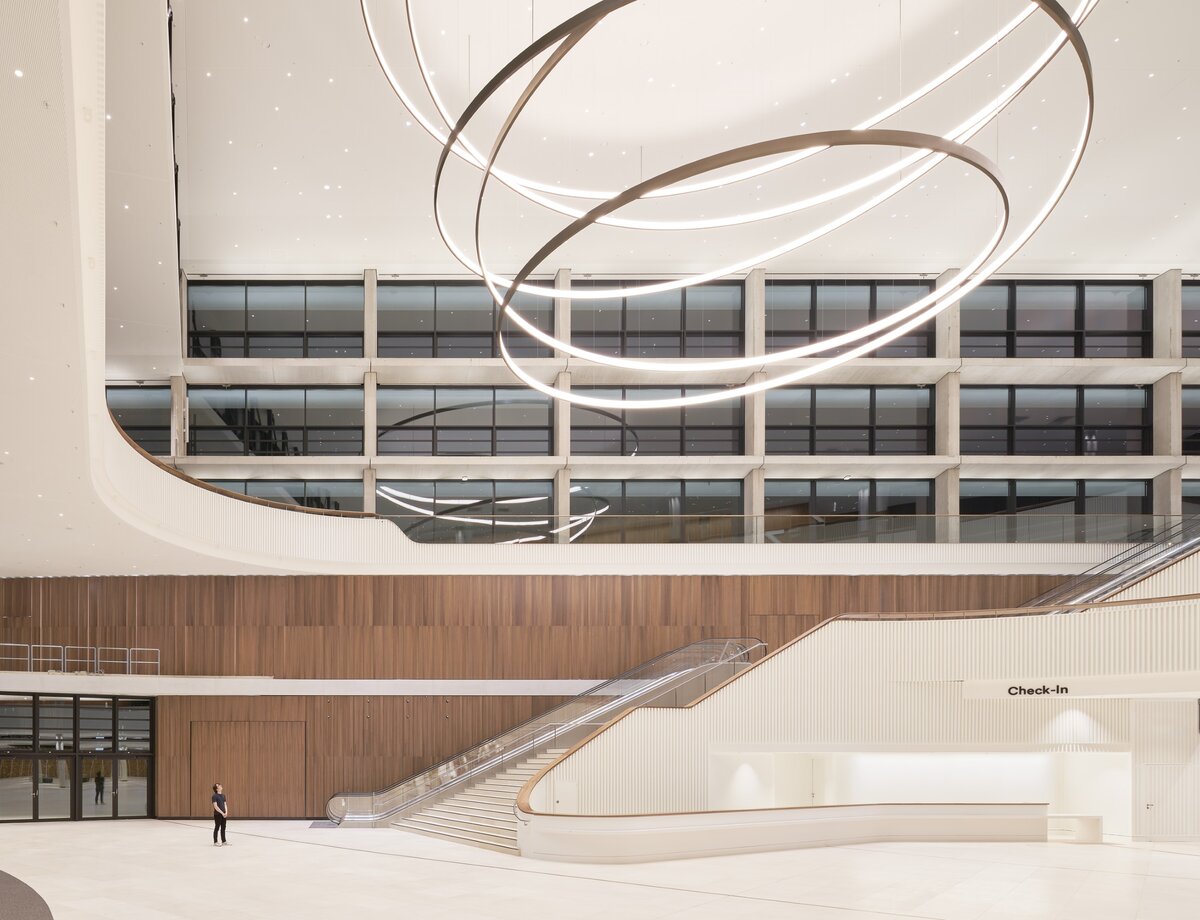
347, 744
455, 626
338, 627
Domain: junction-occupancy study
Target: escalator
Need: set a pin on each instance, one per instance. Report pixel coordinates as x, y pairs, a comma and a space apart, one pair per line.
469, 797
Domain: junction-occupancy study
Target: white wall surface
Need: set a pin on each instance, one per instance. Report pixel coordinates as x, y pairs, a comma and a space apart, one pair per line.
861, 686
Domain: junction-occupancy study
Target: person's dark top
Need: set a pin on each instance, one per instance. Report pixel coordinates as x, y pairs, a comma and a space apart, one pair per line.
218, 800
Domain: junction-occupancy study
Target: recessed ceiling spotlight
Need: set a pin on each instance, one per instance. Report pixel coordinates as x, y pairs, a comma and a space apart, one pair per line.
18, 73
208, 73
107, 116
276, 108
327, 188
289, 73
231, 141
126, 207
275, 169
245, 19
331, 79
345, 150
1151, 76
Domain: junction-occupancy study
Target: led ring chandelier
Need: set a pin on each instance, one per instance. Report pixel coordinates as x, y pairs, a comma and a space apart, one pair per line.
928, 151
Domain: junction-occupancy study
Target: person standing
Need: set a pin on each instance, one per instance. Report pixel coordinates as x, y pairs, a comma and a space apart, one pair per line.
220, 813
99, 788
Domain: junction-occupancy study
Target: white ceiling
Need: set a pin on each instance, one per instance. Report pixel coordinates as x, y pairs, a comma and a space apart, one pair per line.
258, 148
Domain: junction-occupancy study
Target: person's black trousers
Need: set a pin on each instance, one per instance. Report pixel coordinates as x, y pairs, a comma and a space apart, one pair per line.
218, 826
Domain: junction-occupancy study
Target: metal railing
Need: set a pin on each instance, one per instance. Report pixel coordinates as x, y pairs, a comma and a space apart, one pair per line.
20, 656
1035, 526
698, 665
1158, 550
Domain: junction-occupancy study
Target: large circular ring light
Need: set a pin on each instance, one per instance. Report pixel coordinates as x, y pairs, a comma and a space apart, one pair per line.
928, 151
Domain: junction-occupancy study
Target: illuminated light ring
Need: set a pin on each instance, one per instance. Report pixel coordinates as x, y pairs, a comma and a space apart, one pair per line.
516, 183
571, 31
936, 301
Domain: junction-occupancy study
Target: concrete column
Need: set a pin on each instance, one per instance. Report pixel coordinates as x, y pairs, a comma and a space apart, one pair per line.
946, 415
562, 307
1168, 493
946, 324
1167, 397
1167, 291
179, 417
755, 418
183, 314
371, 313
370, 477
945, 505
370, 415
562, 418
562, 504
755, 318
753, 502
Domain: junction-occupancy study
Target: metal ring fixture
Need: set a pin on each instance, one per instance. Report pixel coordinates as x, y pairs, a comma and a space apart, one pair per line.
931, 149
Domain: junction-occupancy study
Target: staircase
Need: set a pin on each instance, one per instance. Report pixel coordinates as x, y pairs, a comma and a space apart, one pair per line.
480, 814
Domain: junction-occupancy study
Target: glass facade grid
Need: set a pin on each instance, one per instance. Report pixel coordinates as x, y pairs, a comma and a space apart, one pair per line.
802, 312
849, 420
468, 511
848, 510
455, 319
144, 413
1056, 421
275, 421
72, 758
660, 510
327, 494
708, 429
1055, 319
1191, 319
1048, 510
702, 321
464, 422
1191, 420
268, 319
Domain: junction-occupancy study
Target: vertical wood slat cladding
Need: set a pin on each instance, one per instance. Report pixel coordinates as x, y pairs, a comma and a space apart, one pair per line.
498, 627
263, 761
329, 745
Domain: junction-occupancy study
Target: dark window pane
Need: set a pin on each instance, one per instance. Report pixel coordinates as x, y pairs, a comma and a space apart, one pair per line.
985, 309
335, 346
983, 406
1045, 441
335, 308
902, 441
1117, 406
1044, 346
56, 723
216, 308
789, 406
275, 308
465, 308
842, 307
789, 308
287, 492
405, 308
788, 496
849, 497
842, 406
1116, 346
1042, 406
1045, 307
275, 346
841, 441
406, 346
334, 494
983, 441
903, 496
983, 496
901, 406
460, 406
655, 313
984, 346
16, 719
1114, 307
464, 346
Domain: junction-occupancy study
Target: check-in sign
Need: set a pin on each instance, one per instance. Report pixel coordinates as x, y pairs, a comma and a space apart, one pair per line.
1183, 685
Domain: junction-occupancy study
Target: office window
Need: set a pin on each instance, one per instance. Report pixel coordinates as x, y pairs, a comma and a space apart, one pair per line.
701, 321
145, 415
1191, 319
802, 312
464, 422
848, 510
1191, 497
455, 319
1055, 510
275, 421
1078, 319
1056, 421
471, 511
849, 420
329, 494
268, 319
1191, 420
659, 510
709, 428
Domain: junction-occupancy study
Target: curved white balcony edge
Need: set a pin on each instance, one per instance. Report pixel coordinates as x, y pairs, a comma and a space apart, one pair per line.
643, 838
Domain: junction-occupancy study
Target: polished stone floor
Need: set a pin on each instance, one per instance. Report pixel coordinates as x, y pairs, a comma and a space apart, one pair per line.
161, 870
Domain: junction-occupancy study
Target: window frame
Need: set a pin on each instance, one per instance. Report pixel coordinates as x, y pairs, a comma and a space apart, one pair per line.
631, 444
245, 429
872, 425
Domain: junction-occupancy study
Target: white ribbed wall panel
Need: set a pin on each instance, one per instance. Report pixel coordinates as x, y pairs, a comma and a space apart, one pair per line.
894, 685
1183, 577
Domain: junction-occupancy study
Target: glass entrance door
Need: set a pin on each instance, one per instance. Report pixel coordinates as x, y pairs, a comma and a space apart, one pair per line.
54, 788
96, 788
16, 788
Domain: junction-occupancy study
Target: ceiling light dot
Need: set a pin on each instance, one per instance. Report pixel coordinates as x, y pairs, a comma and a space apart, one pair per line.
289, 73
208, 73
126, 207
331, 79
245, 19
18, 73
327, 188
107, 117
1151, 76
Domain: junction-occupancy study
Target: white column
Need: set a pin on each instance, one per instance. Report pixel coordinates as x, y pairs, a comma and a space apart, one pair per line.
371, 313
562, 449
1168, 493
1167, 397
755, 318
946, 415
183, 314
369, 481
562, 307
179, 417
753, 504
946, 324
562, 504
1167, 292
945, 505
370, 415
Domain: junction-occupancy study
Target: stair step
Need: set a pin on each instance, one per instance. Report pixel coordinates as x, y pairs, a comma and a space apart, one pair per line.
490, 835
494, 785
488, 794
458, 838
483, 807
464, 819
